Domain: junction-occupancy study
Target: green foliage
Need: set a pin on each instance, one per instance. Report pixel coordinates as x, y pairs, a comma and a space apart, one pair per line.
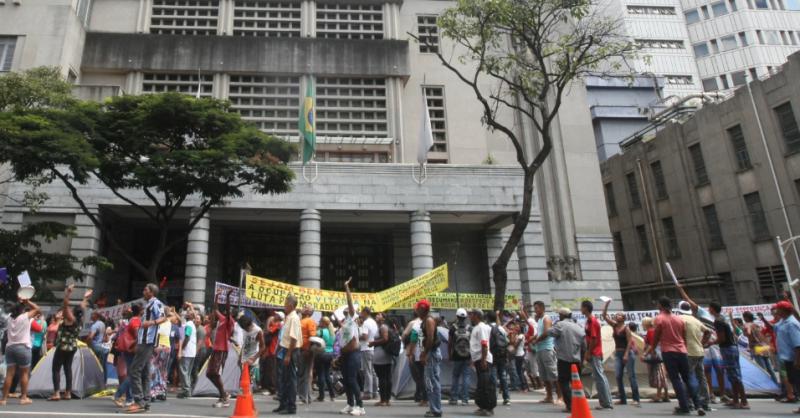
37, 87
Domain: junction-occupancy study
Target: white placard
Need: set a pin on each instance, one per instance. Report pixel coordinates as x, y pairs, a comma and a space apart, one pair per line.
24, 279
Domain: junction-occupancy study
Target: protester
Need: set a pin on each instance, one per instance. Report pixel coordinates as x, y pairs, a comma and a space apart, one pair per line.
546, 359
730, 356
350, 357
322, 362
222, 333
758, 345
531, 365
696, 335
460, 358
570, 340
655, 365
368, 333
54, 321
411, 337
66, 343
305, 367
253, 347
382, 361
18, 347
38, 340
159, 362
430, 358
288, 357
498, 345
175, 339
187, 351
624, 355
481, 356
97, 333
125, 345
145, 346
594, 355
274, 329
787, 332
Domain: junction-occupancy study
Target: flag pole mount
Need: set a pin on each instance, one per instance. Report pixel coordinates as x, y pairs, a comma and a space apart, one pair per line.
316, 173
423, 174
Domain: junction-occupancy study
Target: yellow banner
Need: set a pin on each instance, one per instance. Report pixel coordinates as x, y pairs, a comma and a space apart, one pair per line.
465, 300
274, 293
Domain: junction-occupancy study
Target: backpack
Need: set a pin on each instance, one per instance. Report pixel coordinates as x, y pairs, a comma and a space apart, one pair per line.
498, 343
392, 347
461, 336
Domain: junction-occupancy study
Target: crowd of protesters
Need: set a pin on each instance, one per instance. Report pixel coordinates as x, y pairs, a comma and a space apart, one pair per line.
290, 353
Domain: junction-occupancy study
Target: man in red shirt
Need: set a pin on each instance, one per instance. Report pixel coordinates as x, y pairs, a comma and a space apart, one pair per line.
594, 355
670, 332
219, 354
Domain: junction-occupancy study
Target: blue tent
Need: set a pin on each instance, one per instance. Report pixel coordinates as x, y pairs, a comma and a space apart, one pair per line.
756, 380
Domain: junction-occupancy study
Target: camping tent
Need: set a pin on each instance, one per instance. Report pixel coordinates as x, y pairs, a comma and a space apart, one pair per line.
230, 376
87, 374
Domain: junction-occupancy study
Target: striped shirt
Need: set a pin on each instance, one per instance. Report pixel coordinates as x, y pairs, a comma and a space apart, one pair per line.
153, 312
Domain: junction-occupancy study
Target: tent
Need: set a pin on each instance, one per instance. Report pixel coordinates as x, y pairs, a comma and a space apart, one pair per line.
231, 373
87, 374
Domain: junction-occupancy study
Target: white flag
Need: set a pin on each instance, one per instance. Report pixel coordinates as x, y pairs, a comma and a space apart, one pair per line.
425, 132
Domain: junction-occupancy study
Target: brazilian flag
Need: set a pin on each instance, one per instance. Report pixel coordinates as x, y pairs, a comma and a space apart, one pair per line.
306, 123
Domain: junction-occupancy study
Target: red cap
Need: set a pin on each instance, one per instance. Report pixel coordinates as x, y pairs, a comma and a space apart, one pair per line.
785, 305
424, 304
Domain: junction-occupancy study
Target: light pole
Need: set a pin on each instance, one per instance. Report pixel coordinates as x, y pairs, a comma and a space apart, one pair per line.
781, 244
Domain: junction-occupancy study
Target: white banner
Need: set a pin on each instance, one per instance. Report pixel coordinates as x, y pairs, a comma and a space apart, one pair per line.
115, 312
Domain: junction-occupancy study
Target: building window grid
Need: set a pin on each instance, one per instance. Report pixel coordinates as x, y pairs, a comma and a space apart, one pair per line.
270, 102
351, 107
184, 17
434, 96
671, 238
644, 245
719, 8
186, 83
659, 44
788, 126
349, 21
266, 19
658, 180
739, 148
758, 220
619, 247
652, 10
7, 46
633, 191
699, 164
611, 203
679, 80
715, 240
428, 32
770, 282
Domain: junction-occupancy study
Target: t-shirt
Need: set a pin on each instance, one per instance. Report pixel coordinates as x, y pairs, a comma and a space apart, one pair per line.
569, 337
201, 335
329, 339
381, 356
190, 333
694, 336
164, 330
308, 328
291, 330
52, 331
520, 349
37, 338
788, 335
479, 338
370, 328
153, 311
547, 343
250, 345
722, 328
274, 330
673, 330
19, 331
99, 330
223, 332
592, 330
349, 331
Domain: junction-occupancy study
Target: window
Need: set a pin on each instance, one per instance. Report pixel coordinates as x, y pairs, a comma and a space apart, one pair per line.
772, 37
715, 241
611, 203
761, 4
659, 43
714, 46
7, 46
743, 39
700, 50
732, 3
700, 174
788, 124
349, 21
678, 79
671, 238
619, 251
658, 180
724, 80
266, 18
83, 9
428, 34
739, 78
186, 83
435, 98
704, 9
270, 102
351, 107
784, 39
758, 220
633, 191
692, 16
719, 8
184, 17
770, 282
760, 37
753, 74
728, 42
644, 246
651, 10
739, 148
710, 84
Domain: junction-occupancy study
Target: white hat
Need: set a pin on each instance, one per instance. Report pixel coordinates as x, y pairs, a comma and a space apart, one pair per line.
461, 313
281, 314
685, 308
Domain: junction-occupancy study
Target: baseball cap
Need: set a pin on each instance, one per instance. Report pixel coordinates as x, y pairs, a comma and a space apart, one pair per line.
564, 311
423, 304
476, 311
461, 313
685, 308
786, 305
282, 315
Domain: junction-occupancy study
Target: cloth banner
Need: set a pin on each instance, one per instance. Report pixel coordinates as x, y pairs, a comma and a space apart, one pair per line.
464, 300
637, 316
115, 312
273, 293
238, 297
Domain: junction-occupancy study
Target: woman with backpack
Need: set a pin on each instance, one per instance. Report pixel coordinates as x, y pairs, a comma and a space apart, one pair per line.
385, 346
322, 361
124, 345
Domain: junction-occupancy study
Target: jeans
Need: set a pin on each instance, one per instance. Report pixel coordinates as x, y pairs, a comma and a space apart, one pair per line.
677, 365
417, 373
519, 363
370, 380
762, 361
139, 373
698, 380
513, 378
185, 368
565, 380
63, 359
620, 367
288, 382
384, 373
304, 368
499, 376
351, 363
322, 364
600, 382
102, 355
461, 380
125, 386
433, 384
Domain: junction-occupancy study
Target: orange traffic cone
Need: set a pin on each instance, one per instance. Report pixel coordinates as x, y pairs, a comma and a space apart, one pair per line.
245, 406
580, 406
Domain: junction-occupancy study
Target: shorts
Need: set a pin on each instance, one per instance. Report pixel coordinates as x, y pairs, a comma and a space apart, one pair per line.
216, 362
531, 365
18, 355
730, 361
712, 357
791, 373
548, 366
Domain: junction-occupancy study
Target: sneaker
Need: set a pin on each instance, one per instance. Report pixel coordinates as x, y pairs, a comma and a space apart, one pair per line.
346, 410
464, 403
358, 411
431, 414
223, 403
701, 412
507, 402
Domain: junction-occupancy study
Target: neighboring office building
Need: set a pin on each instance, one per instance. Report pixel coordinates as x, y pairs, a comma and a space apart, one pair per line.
369, 220
700, 196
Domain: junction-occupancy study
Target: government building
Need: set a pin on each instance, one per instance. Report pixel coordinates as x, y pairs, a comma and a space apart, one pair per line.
364, 209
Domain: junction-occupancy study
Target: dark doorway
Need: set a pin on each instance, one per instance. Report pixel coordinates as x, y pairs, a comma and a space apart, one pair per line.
271, 254
366, 257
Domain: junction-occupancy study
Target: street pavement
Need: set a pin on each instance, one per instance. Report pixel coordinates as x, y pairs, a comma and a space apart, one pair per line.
523, 405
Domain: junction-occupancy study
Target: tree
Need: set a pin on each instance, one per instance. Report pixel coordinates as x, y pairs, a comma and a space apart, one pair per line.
521, 57
157, 153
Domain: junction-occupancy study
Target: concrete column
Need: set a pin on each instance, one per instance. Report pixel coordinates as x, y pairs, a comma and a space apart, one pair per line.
310, 248
421, 243
495, 240
194, 285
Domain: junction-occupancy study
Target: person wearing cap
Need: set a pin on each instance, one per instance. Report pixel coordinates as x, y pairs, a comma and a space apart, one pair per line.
695, 335
570, 339
430, 358
459, 354
481, 357
726, 338
787, 332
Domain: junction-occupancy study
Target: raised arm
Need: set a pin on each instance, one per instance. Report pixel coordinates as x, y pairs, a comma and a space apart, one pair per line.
68, 316
349, 295
686, 297
34, 308
606, 317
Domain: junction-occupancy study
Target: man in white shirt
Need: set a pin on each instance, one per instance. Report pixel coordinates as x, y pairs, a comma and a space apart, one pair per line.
187, 351
368, 330
481, 356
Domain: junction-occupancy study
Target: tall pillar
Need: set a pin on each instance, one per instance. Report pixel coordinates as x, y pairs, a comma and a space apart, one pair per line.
421, 243
310, 248
194, 285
